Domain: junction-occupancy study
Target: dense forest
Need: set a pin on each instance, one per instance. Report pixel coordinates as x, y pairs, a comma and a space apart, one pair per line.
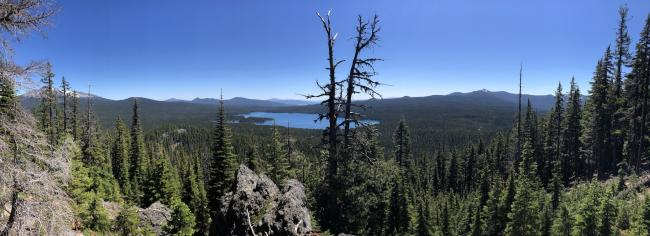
579, 169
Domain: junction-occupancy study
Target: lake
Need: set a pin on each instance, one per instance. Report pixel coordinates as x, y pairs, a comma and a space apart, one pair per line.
294, 120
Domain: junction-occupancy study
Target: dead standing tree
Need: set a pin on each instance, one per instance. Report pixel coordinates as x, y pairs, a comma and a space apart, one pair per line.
362, 70
338, 97
332, 93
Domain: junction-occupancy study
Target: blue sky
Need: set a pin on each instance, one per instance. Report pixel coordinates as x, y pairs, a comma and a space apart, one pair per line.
276, 49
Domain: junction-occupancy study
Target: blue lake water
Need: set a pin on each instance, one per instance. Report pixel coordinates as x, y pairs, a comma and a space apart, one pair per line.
295, 120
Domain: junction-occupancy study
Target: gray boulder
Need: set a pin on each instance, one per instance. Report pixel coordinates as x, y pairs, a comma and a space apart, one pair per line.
257, 206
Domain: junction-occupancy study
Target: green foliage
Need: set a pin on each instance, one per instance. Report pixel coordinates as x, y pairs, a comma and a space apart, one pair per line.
163, 182
120, 158
183, 220
278, 158
127, 222
138, 159
222, 167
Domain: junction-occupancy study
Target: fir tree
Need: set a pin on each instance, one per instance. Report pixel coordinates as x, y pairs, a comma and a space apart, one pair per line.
278, 158
523, 218
98, 220
607, 214
571, 145
402, 142
163, 182
128, 222
8, 98
616, 94
636, 88
597, 119
75, 115
137, 157
562, 222
65, 88
120, 157
223, 166
183, 220
48, 107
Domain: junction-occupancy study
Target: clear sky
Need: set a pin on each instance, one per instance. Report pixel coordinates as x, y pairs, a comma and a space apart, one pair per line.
276, 49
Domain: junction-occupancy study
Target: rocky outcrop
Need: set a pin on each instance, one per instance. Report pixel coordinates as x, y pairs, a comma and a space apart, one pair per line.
156, 216
256, 206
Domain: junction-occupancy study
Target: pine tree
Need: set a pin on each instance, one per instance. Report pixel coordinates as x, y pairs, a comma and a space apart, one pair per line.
194, 195
137, 157
75, 115
562, 222
571, 145
553, 137
616, 94
278, 159
120, 157
586, 221
444, 221
98, 219
491, 221
402, 142
223, 166
65, 87
163, 182
607, 214
597, 119
400, 208
523, 218
556, 186
424, 227
636, 88
476, 224
183, 220
128, 222
8, 97
48, 107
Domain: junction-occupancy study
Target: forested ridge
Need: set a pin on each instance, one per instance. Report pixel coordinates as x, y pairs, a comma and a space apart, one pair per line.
580, 168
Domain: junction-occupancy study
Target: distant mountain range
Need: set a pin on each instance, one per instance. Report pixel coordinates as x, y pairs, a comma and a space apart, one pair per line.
477, 109
240, 101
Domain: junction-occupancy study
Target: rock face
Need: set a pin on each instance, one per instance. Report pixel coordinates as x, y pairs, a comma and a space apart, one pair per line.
256, 206
156, 216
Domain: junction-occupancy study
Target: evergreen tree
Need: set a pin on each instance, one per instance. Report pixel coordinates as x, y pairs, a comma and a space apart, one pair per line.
491, 221
616, 97
553, 137
8, 97
523, 218
597, 119
562, 222
636, 88
98, 220
586, 221
400, 209
607, 214
278, 159
402, 142
65, 88
137, 157
48, 107
194, 195
128, 222
223, 166
120, 157
571, 145
163, 182
444, 228
75, 115
183, 220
